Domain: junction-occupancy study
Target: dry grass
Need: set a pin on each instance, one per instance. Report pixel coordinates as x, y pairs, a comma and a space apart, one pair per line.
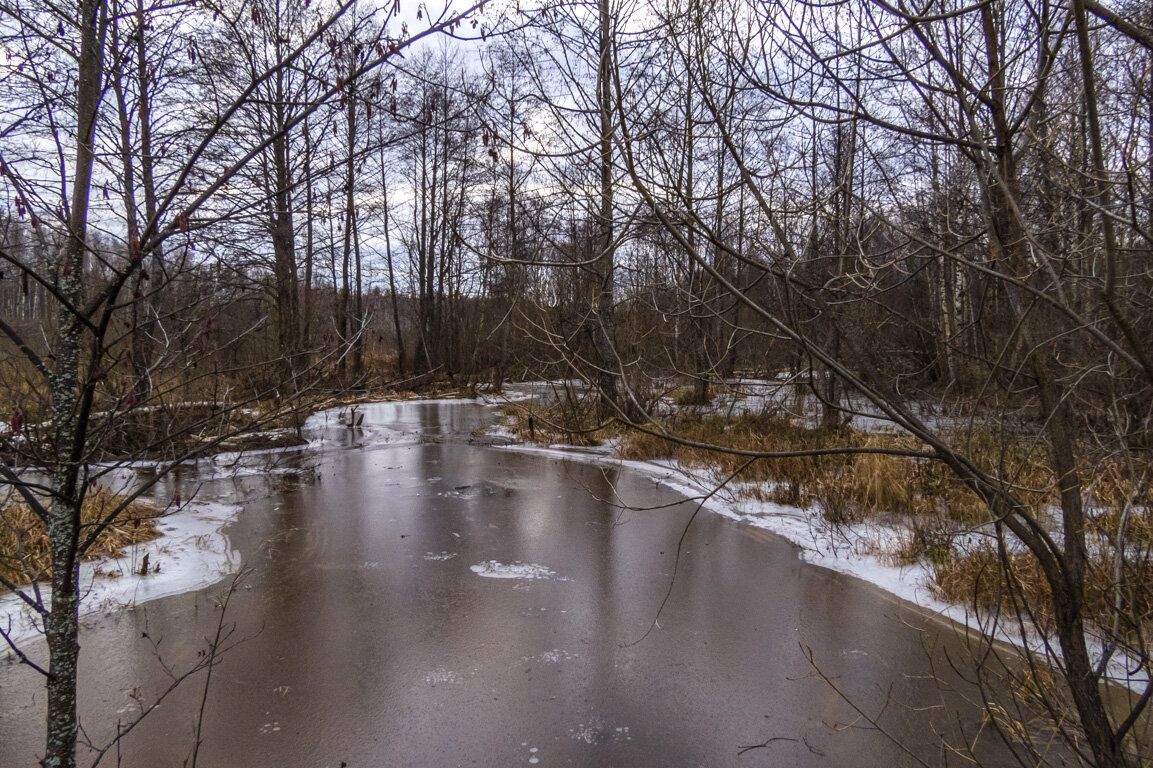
846, 487
977, 578
1138, 527
857, 486
570, 421
1117, 482
925, 539
983, 579
935, 507
24, 553
690, 397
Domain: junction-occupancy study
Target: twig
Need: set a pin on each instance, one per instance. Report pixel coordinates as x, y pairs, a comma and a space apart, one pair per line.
680, 546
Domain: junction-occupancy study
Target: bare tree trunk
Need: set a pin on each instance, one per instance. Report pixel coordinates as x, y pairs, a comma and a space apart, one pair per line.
142, 305
698, 308
604, 303
284, 242
141, 310
400, 353
138, 343
69, 413
512, 270
425, 256
284, 263
309, 244
1067, 583
361, 320
346, 321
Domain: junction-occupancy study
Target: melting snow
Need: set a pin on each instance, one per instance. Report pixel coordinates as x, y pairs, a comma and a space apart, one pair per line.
518, 570
194, 553
441, 676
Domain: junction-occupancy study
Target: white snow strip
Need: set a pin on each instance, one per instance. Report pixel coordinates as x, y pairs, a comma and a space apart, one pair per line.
192, 554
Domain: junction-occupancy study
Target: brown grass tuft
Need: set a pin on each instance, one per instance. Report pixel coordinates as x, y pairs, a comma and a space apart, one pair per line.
847, 487
926, 539
980, 578
690, 396
567, 420
1138, 527
24, 553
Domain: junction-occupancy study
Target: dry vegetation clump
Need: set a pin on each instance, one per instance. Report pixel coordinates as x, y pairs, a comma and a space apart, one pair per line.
1138, 525
927, 538
1118, 483
847, 487
24, 553
940, 492
1118, 584
979, 578
688, 397
561, 420
987, 579
853, 487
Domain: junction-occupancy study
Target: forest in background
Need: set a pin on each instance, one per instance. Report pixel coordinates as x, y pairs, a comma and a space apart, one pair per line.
216, 213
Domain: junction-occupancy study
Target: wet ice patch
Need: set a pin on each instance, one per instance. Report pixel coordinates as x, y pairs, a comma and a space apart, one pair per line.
496, 570
439, 556
272, 727
555, 656
441, 676
598, 732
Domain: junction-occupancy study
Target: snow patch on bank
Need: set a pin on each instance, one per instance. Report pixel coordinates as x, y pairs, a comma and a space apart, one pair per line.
192, 554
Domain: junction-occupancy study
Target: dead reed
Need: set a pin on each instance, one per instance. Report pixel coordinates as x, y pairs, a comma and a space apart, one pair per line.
24, 553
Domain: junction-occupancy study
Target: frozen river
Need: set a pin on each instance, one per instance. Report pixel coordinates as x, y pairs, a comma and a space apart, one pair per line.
414, 599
